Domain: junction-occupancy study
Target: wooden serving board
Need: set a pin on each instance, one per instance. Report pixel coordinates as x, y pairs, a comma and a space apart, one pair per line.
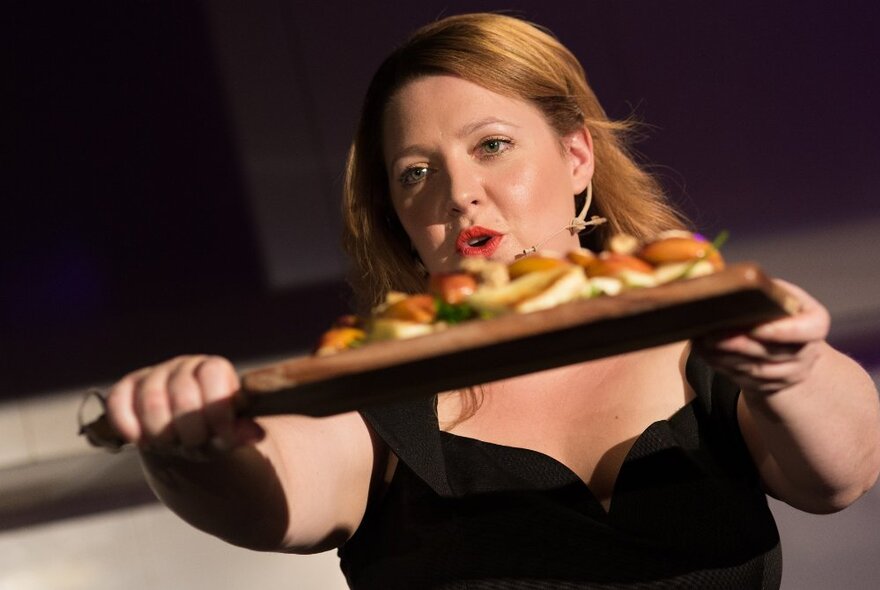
481, 351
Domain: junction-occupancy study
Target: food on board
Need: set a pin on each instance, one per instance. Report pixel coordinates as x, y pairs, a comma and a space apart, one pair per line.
485, 288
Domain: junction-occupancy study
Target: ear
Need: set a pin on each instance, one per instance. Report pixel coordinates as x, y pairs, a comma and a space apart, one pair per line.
578, 147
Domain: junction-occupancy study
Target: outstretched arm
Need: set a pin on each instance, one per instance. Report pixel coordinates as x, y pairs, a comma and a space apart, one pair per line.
809, 414
285, 483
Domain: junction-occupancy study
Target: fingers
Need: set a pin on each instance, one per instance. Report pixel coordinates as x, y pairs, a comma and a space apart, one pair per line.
186, 397
811, 323
120, 407
186, 402
218, 381
747, 346
152, 406
758, 373
763, 378
773, 355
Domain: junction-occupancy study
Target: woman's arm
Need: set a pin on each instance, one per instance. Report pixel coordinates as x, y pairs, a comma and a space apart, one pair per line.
287, 483
809, 414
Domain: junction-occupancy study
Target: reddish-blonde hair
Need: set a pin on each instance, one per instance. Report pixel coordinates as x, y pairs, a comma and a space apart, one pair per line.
514, 58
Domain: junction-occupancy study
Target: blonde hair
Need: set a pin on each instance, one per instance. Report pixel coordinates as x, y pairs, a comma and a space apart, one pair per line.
510, 57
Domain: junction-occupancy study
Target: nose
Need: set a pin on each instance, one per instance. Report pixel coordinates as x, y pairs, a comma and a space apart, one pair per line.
465, 188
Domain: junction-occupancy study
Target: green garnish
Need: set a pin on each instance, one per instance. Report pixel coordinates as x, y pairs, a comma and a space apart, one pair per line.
454, 313
715, 246
719, 241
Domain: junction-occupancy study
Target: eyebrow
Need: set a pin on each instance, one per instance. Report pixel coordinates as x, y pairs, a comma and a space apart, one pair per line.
471, 127
463, 132
407, 151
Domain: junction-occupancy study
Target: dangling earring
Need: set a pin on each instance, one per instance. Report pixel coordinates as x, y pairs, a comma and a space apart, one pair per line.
575, 226
579, 223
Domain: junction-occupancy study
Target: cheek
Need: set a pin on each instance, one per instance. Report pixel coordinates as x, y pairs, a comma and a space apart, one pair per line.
420, 224
415, 217
435, 246
516, 185
537, 194
425, 237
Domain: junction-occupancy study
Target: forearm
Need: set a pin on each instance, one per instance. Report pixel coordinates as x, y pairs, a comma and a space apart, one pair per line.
817, 442
236, 496
289, 483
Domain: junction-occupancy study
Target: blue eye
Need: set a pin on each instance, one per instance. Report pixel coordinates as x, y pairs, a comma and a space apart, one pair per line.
414, 175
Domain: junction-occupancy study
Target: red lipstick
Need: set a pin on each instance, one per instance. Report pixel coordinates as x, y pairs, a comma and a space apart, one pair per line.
478, 241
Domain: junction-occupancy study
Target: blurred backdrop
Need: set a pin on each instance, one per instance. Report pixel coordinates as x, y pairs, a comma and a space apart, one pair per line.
171, 184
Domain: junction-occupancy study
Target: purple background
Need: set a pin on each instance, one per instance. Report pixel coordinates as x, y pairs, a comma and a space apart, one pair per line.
129, 225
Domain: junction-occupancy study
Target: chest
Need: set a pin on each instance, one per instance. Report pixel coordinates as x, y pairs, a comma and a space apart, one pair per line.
585, 417
687, 512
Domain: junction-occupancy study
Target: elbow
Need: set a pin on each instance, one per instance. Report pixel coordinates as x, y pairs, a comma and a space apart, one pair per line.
863, 479
836, 499
868, 477
827, 503
835, 502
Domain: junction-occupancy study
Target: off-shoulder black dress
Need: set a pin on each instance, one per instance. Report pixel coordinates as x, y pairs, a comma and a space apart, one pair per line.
687, 510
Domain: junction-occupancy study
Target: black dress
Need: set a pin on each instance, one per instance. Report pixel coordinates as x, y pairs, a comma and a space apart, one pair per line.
687, 509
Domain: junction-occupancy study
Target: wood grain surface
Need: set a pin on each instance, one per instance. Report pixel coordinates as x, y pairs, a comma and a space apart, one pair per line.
481, 351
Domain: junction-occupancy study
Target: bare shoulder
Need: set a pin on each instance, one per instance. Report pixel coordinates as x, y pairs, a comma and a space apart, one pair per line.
326, 467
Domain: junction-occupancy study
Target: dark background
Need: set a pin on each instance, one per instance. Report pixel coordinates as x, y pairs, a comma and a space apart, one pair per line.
131, 219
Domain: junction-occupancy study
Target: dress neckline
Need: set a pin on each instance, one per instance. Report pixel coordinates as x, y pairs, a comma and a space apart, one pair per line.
566, 474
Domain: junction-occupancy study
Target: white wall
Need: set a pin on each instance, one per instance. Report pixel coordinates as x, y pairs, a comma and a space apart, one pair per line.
147, 548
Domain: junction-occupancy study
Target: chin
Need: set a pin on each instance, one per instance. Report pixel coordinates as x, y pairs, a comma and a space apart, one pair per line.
444, 264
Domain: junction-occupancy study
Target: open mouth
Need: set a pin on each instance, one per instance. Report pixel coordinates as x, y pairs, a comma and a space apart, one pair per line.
478, 241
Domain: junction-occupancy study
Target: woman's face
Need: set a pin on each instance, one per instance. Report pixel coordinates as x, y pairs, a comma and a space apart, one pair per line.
474, 173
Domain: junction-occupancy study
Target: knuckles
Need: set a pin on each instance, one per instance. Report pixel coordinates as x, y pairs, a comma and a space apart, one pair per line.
152, 400
215, 365
184, 395
144, 405
214, 369
772, 356
768, 372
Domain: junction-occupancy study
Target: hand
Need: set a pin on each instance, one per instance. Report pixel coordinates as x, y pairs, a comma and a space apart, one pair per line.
187, 402
774, 355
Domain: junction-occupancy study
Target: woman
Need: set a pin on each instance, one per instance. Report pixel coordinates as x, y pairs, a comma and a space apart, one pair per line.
480, 136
